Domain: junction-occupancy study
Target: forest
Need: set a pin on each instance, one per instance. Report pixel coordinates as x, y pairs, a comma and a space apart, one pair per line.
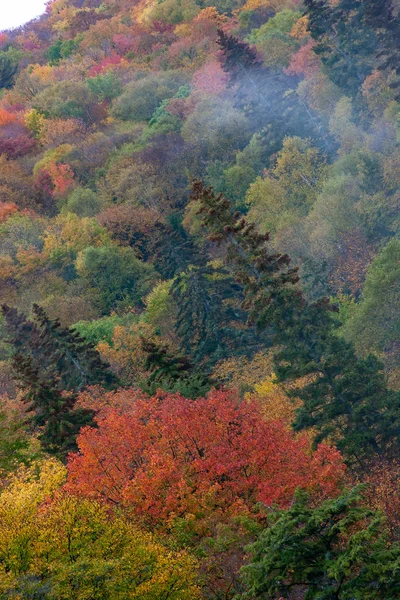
199, 301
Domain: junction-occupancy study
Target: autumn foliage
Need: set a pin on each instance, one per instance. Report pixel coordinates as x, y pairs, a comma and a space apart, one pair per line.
200, 253
170, 456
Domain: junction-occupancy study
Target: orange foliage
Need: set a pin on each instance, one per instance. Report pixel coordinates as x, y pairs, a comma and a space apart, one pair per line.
129, 225
61, 131
104, 403
126, 355
352, 263
169, 456
300, 29
6, 210
274, 402
62, 177
6, 117
243, 373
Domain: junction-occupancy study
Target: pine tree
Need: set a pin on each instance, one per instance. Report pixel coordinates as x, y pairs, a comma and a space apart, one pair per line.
351, 35
210, 320
171, 372
54, 413
240, 60
173, 248
8, 71
268, 97
57, 352
383, 19
346, 399
338, 549
345, 41
52, 364
255, 86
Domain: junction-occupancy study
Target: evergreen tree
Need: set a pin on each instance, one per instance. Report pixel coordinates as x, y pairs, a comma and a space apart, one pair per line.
337, 550
268, 97
173, 248
172, 372
56, 351
8, 71
381, 16
54, 412
240, 60
351, 35
211, 323
345, 42
52, 364
345, 399
257, 89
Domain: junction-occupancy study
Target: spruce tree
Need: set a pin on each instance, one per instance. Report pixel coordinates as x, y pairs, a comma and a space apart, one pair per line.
268, 97
172, 372
54, 412
173, 248
346, 398
353, 36
345, 42
337, 550
210, 320
381, 16
52, 365
56, 351
8, 71
240, 60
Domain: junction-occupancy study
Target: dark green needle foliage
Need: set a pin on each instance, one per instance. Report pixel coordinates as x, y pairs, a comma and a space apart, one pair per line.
52, 365
53, 411
8, 71
172, 372
211, 322
353, 37
267, 97
56, 351
345, 399
172, 248
335, 551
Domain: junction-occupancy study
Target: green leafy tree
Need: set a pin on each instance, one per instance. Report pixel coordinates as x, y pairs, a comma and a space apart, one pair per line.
66, 99
374, 323
338, 549
61, 49
143, 96
83, 202
16, 445
105, 87
117, 274
286, 193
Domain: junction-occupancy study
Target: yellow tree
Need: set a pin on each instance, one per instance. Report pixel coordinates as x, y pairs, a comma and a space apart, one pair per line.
19, 502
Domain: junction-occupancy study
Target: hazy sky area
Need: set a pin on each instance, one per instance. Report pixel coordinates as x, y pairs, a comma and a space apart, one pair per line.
17, 12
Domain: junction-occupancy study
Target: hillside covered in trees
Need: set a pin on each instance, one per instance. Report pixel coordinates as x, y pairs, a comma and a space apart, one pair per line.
199, 293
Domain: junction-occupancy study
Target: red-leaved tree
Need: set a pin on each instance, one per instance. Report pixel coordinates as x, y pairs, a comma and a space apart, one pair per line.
169, 456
